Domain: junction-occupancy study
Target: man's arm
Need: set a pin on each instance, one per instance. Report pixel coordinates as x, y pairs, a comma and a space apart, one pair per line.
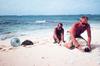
89, 36
73, 32
55, 35
62, 35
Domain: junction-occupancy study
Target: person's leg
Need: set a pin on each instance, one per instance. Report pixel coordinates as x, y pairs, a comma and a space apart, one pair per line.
55, 39
59, 38
69, 45
59, 41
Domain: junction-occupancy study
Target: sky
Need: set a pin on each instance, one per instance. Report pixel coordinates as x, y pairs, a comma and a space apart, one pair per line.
49, 7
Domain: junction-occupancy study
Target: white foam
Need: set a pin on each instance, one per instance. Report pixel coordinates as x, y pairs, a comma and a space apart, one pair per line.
41, 21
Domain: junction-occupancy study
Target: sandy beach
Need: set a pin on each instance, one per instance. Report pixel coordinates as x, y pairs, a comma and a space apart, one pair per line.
45, 53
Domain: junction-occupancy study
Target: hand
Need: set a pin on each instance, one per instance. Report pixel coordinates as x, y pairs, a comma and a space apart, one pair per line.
58, 41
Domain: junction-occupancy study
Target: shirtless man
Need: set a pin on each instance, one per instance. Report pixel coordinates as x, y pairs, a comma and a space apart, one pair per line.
76, 30
58, 33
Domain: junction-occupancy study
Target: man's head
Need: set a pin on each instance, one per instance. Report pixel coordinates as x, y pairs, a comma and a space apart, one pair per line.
60, 25
84, 20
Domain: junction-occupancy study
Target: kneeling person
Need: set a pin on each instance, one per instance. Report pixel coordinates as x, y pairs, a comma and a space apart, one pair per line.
76, 30
58, 34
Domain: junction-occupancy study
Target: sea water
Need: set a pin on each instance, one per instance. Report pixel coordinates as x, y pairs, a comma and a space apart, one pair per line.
12, 26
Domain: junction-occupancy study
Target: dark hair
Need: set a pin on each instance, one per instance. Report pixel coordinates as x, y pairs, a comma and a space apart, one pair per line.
85, 17
60, 24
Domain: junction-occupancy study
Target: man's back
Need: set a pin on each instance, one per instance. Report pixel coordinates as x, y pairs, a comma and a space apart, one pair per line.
79, 28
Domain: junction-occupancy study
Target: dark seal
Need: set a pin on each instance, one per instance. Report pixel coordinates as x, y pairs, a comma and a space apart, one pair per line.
27, 42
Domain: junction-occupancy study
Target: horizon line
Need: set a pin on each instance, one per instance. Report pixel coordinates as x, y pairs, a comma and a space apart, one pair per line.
49, 15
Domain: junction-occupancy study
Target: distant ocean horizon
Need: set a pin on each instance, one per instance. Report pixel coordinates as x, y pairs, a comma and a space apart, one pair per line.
22, 24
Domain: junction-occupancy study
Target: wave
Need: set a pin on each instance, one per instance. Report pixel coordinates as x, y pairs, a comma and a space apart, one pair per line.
41, 21
8, 35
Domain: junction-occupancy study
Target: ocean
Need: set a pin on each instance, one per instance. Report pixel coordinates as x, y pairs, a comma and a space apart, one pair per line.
11, 26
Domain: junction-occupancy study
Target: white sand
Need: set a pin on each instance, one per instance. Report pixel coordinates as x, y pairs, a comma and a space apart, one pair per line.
45, 53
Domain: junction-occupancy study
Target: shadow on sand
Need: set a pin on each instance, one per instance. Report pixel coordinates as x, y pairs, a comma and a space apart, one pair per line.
94, 46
